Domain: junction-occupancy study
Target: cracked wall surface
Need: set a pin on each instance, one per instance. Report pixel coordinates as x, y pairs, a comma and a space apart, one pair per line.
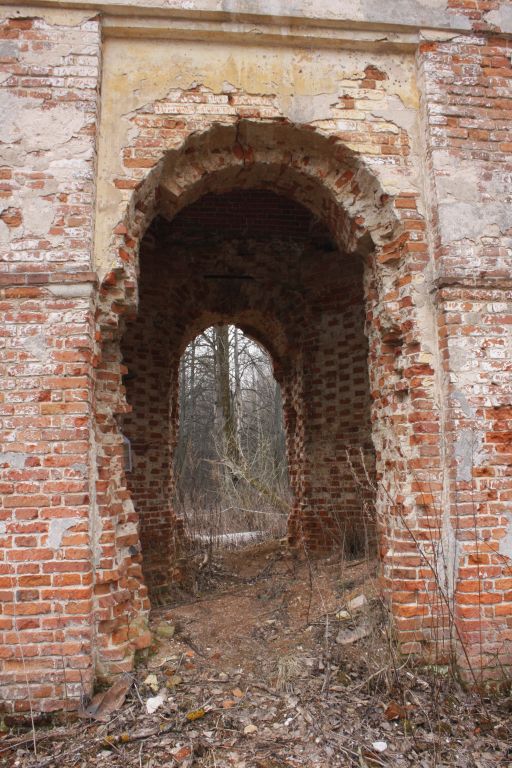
392, 127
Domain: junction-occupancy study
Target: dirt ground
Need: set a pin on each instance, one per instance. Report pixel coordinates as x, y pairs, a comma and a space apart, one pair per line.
276, 662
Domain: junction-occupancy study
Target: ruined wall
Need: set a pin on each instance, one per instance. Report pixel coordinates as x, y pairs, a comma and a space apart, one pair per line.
147, 349
196, 127
368, 101
400, 134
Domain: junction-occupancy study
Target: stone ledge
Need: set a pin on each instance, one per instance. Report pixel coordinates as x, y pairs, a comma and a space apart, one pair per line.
268, 32
361, 14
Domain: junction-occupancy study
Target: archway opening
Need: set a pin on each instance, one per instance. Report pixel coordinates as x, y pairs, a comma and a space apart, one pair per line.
267, 264
232, 485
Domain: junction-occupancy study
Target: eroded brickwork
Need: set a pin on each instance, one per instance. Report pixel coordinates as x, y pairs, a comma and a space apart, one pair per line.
403, 156
303, 166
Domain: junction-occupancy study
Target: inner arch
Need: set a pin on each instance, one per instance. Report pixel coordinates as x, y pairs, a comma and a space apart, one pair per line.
230, 461
295, 162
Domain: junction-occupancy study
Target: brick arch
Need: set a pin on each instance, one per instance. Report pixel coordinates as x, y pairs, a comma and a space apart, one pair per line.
303, 163
266, 331
385, 236
270, 334
320, 173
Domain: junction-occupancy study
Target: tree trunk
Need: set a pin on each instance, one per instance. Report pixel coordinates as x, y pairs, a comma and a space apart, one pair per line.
237, 400
224, 412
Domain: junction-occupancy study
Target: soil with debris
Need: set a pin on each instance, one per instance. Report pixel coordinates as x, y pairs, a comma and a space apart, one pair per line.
275, 662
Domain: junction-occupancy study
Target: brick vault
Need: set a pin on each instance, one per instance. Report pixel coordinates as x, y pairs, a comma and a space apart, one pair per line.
338, 185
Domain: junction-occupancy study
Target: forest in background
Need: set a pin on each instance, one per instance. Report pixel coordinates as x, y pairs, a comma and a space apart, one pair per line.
230, 461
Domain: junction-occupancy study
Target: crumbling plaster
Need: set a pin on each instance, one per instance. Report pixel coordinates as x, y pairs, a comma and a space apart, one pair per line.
49, 141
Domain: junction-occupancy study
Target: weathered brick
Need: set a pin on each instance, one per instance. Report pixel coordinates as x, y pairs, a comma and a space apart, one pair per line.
365, 358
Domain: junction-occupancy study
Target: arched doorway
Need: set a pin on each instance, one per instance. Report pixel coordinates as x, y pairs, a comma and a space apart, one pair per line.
256, 258
344, 334
230, 461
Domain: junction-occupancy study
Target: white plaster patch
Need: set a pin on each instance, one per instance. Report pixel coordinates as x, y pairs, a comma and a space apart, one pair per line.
75, 290
309, 108
434, 34
12, 155
394, 111
397, 113
471, 221
3, 528
8, 49
58, 528
4, 233
10, 109
57, 126
62, 17
79, 467
501, 18
37, 346
459, 359
505, 547
426, 318
465, 407
468, 453
53, 57
24, 121
37, 215
13, 459
455, 179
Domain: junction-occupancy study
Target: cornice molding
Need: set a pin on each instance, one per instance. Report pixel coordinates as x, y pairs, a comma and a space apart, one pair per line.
265, 33
340, 23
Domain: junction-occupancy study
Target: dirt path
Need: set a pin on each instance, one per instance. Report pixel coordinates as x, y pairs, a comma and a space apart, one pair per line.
279, 663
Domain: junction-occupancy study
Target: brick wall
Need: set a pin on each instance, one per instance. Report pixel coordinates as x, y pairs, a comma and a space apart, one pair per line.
467, 113
420, 198
47, 134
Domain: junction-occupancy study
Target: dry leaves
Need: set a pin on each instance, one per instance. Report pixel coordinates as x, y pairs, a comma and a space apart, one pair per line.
104, 704
267, 685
